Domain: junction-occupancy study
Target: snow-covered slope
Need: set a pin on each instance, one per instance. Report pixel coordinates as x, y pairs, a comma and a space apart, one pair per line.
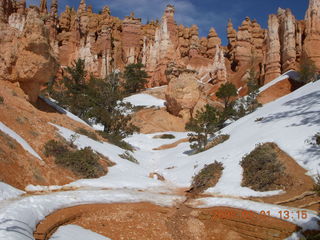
9, 192
19, 139
145, 100
72, 232
290, 122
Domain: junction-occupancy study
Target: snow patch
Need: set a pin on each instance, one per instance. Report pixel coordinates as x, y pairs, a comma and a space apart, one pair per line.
71, 232
9, 192
19, 139
19, 219
145, 100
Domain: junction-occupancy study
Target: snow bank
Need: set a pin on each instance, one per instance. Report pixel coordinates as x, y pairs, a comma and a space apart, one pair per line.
310, 223
71, 232
145, 100
18, 220
123, 174
289, 122
9, 192
19, 139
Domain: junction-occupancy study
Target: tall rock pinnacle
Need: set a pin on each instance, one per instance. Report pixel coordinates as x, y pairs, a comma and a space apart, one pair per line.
312, 41
43, 7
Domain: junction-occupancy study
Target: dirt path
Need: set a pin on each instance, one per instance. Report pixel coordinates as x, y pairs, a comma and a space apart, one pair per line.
148, 221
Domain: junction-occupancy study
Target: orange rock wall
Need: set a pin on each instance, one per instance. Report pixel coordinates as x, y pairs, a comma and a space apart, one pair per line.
108, 43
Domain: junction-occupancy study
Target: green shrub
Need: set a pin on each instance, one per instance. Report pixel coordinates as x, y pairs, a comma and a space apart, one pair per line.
207, 177
128, 156
262, 170
83, 162
312, 235
1, 100
118, 141
87, 133
165, 136
55, 148
307, 69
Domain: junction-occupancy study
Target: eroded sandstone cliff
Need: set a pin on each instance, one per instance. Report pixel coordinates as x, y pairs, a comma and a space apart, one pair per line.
108, 43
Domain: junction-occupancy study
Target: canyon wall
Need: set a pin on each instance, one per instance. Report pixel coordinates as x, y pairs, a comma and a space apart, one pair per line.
107, 43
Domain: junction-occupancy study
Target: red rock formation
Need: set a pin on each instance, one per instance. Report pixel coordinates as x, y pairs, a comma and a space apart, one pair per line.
219, 70
287, 33
43, 7
54, 8
26, 56
131, 38
182, 95
161, 49
243, 48
232, 35
213, 42
6, 9
258, 37
273, 66
107, 43
312, 41
21, 7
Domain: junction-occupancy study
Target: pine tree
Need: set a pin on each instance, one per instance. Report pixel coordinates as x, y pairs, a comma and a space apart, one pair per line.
253, 91
135, 78
203, 125
96, 100
226, 92
108, 107
72, 93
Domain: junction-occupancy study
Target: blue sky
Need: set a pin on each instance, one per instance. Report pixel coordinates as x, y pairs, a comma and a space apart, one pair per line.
204, 13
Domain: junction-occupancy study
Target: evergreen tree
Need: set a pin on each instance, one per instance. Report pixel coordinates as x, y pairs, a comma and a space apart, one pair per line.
135, 78
72, 94
98, 100
307, 70
203, 125
249, 103
108, 107
226, 92
253, 91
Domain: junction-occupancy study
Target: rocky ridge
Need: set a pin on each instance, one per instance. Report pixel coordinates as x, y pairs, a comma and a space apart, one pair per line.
108, 43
